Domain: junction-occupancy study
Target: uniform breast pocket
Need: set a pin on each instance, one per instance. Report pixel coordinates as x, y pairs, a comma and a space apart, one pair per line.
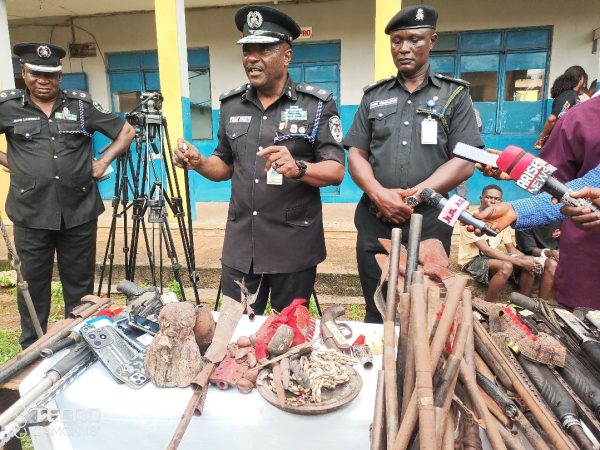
297, 138
26, 132
383, 121
70, 135
237, 134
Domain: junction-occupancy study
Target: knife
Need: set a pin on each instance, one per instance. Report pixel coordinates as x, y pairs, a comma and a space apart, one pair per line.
589, 344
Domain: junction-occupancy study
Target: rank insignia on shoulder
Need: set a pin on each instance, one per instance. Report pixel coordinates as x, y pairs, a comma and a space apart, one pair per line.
441, 76
377, 83
78, 95
238, 90
321, 94
101, 108
10, 94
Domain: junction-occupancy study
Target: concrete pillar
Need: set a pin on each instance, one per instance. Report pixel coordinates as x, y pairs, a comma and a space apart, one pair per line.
7, 81
173, 72
384, 11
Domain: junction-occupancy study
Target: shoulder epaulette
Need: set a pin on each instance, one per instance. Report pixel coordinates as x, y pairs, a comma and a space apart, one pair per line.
368, 87
238, 90
10, 94
441, 76
321, 94
79, 95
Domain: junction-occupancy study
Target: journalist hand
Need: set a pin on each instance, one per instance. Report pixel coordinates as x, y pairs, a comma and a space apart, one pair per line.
499, 216
186, 155
391, 206
493, 172
583, 217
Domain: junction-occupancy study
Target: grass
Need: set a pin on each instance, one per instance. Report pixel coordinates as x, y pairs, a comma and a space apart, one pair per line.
57, 309
9, 344
355, 312
5, 281
175, 287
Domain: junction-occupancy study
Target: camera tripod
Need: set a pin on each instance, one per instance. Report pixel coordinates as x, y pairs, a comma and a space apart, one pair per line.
144, 185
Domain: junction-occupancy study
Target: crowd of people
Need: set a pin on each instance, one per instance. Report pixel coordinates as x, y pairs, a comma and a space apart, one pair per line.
279, 141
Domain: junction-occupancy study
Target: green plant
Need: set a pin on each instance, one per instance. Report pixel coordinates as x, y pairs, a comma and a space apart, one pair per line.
5, 281
56, 293
267, 308
312, 308
355, 312
57, 302
9, 344
175, 287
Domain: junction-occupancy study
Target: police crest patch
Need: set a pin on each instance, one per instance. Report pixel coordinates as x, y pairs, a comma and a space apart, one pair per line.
101, 108
335, 127
254, 19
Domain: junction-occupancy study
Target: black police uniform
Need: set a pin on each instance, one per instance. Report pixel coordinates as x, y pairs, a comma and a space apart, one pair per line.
53, 201
388, 125
274, 235
275, 229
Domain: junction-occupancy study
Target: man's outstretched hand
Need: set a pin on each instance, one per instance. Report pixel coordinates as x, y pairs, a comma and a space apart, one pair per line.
583, 217
498, 217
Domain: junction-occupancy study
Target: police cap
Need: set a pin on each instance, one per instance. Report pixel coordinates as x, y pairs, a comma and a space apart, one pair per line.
265, 25
420, 16
40, 56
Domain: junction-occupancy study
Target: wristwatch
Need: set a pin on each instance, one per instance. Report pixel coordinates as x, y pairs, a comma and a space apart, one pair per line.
411, 201
302, 169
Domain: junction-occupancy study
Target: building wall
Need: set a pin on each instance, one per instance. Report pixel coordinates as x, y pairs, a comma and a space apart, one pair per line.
349, 21
214, 28
573, 22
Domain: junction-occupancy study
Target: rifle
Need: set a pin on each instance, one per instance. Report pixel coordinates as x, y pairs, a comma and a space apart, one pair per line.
58, 377
90, 305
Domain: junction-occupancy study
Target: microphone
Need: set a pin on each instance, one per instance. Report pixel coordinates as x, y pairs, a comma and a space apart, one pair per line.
529, 172
453, 210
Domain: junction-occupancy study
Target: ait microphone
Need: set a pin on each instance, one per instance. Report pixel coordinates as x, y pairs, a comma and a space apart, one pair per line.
534, 175
454, 209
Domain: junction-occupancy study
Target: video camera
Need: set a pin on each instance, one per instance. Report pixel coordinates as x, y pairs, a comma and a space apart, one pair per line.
148, 111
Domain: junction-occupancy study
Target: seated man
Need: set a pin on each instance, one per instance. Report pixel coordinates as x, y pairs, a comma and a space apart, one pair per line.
541, 243
480, 257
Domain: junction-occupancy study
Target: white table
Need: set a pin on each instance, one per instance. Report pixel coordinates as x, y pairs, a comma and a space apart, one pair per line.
98, 413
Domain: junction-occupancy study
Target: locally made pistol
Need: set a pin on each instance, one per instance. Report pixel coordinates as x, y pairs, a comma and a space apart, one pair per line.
331, 331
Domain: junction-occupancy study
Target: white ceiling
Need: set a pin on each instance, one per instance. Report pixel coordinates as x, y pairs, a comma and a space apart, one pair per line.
27, 9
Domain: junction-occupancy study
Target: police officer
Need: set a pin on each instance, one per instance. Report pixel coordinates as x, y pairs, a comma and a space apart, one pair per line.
278, 142
401, 142
53, 200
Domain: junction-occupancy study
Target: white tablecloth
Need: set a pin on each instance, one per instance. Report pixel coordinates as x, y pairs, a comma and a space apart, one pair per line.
98, 413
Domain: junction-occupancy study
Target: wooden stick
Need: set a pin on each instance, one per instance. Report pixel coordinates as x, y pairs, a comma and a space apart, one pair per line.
389, 341
378, 426
423, 371
448, 441
441, 334
467, 376
445, 391
403, 346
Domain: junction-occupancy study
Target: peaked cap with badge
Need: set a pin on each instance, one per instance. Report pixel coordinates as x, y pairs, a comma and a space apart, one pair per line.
40, 56
265, 25
411, 17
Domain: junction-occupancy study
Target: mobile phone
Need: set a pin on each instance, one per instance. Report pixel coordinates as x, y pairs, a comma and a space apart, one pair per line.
475, 155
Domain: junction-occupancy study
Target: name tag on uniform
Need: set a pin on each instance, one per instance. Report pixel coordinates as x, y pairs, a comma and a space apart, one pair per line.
429, 131
274, 178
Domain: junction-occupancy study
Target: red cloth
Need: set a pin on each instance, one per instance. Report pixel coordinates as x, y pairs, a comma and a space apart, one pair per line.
296, 316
